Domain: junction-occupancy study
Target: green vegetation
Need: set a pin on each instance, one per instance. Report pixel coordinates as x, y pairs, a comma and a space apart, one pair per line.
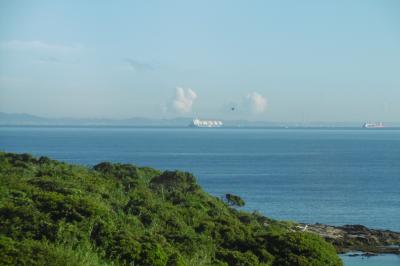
234, 200
53, 213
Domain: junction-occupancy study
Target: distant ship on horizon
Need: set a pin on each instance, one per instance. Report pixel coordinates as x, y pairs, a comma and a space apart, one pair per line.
373, 125
206, 123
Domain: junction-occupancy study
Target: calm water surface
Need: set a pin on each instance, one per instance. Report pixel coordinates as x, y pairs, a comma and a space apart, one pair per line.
381, 260
327, 176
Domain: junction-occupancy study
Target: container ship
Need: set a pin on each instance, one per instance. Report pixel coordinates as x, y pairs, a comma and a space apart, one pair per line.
206, 123
373, 125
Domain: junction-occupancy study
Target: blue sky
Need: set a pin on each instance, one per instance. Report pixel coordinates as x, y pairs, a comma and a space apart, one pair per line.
275, 61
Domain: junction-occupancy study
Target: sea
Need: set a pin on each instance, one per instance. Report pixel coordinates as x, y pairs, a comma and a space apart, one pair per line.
329, 175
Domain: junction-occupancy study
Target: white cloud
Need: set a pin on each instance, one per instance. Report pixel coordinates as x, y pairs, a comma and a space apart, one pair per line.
39, 46
183, 100
255, 103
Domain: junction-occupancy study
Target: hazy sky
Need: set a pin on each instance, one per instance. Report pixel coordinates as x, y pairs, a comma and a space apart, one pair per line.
277, 61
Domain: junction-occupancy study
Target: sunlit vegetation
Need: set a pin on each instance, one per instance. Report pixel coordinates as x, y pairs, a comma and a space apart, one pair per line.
53, 213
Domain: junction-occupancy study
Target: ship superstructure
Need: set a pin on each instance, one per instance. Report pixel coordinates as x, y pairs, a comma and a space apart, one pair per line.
374, 125
206, 123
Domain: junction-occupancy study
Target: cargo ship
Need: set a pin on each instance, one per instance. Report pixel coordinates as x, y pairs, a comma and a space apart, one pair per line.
373, 125
205, 123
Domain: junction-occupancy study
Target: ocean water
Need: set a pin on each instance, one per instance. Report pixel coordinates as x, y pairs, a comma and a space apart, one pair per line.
380, 260
332, 176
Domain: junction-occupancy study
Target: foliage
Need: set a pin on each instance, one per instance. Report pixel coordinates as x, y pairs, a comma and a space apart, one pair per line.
234, 200
53, 213
300, 248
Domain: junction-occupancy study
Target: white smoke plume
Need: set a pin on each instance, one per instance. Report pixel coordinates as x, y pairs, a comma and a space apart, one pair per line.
183, 100
255, 103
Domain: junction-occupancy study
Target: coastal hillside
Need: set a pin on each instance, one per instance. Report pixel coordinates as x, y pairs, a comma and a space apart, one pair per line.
53, 213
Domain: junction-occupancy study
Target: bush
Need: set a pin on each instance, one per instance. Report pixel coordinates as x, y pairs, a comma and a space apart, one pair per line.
31, 252
52, 213
234, 200
236, 258
298, 248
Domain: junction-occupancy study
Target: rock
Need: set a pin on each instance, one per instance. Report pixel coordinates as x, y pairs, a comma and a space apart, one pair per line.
357, 238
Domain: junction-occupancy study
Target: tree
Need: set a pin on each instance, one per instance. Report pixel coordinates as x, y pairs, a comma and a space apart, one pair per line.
234, 200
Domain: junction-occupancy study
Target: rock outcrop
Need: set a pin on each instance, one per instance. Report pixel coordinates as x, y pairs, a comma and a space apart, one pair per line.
348, 238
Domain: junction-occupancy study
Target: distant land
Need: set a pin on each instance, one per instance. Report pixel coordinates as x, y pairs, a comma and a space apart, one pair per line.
22, 119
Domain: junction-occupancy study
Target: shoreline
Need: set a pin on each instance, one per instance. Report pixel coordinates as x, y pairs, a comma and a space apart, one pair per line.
356, 238
157, 126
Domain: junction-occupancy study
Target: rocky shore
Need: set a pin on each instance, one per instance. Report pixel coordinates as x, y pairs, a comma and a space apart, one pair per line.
349, 238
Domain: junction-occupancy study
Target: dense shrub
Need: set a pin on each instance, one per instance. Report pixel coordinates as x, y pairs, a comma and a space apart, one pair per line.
52, 213
234, 200
299, 248
31, 252
233, 258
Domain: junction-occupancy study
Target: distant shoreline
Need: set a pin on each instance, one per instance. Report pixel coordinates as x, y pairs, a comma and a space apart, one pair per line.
211, 129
